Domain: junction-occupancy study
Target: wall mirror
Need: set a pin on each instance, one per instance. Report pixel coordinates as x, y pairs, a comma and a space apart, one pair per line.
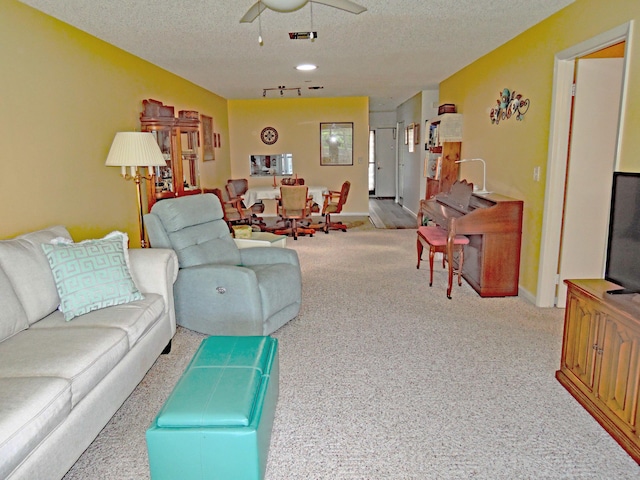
266, 165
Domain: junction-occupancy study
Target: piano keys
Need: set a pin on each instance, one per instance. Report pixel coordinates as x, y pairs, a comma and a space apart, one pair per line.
493, 224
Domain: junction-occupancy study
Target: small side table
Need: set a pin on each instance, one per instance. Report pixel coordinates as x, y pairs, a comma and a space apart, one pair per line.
262, 239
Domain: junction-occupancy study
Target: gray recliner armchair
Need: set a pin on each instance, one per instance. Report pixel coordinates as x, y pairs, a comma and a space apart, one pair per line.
223, 290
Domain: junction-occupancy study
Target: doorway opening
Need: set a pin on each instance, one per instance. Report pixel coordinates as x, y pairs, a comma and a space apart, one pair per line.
557, 172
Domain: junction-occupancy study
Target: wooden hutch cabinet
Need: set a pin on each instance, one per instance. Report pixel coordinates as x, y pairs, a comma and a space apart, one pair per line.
444, 146
178, 141
600, 363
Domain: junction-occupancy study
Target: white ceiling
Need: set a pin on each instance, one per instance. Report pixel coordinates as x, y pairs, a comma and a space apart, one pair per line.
389, 53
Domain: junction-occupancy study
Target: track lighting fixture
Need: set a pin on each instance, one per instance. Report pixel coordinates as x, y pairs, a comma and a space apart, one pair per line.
282, 89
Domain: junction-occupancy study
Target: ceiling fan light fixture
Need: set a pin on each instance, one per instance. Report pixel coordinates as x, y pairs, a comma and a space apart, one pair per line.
285, 5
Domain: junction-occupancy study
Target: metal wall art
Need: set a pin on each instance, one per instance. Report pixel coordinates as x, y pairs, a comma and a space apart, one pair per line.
509, 104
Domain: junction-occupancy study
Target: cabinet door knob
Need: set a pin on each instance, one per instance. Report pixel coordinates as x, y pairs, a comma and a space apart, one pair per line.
221, 290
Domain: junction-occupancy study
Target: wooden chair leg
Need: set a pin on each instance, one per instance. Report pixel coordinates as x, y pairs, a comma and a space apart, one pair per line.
420, 249
450, 273
432, 252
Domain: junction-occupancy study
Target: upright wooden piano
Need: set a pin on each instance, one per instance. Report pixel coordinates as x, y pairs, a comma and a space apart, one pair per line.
493, 224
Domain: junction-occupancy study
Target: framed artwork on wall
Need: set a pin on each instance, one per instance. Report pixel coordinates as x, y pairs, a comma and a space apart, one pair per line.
336, 143
208, 152
410, 140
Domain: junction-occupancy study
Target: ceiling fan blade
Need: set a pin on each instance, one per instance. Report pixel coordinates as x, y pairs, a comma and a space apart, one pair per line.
253, 13
346, 5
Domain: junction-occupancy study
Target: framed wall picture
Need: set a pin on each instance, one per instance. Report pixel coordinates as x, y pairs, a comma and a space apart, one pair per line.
410, 140
208, 152
336, 143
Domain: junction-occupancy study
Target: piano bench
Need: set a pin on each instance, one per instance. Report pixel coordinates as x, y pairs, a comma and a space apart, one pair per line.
436, 239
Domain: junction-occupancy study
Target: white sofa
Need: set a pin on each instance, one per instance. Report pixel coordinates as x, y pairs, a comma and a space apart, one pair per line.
61, 381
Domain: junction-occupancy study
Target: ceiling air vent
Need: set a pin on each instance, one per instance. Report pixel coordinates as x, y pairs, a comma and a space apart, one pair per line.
303, 35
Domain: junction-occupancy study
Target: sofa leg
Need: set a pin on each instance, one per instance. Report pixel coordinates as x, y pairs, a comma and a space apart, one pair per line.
167, 349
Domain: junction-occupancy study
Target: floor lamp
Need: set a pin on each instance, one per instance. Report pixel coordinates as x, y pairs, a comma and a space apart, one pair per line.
136, 150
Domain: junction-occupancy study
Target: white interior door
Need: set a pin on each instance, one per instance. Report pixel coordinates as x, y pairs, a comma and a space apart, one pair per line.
596, 113
385, 163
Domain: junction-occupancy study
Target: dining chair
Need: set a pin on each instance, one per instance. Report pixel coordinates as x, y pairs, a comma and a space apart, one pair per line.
294, 207
238, 199
233, 211
240, 187
334, 200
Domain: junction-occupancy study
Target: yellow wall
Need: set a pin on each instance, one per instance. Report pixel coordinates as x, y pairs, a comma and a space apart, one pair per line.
297, 121
513, 148
63, 96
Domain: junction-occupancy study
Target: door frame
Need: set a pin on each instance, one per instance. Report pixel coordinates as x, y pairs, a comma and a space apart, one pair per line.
399, 153
391, 165
559, 128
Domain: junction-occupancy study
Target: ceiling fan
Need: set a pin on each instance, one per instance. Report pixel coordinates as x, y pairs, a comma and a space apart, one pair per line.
293, 5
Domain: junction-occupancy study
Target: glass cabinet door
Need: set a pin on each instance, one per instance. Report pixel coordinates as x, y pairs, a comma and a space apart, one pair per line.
190, 172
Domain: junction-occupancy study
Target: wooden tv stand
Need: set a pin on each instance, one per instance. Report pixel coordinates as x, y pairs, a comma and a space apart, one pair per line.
600, 363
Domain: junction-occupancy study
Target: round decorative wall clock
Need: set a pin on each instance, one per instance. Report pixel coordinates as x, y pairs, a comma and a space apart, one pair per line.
269, 135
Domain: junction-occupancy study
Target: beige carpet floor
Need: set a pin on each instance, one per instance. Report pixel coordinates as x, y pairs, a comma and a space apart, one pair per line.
383, 377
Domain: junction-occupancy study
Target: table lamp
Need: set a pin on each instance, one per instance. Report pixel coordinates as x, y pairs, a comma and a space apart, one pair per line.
135, 150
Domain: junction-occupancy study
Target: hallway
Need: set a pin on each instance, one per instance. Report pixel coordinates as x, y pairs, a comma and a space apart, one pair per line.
386, 213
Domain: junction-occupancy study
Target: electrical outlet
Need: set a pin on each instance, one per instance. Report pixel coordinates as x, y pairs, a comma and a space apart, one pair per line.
536, 174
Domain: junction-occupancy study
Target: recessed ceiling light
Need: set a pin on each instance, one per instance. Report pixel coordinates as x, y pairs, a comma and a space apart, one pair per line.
306, 67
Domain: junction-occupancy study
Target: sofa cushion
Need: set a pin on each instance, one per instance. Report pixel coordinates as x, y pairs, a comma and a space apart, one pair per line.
28, 270
91, 275
13, 318
81, 355
135, 318
30, 408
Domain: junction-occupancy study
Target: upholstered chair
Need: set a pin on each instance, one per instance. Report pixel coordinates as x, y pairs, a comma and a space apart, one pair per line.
250, 214
294, 208
239, 187
223, 290
233, 211
333, 203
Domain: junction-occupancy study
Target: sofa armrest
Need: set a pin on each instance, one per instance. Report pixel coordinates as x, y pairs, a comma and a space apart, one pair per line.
268, 256
154, 270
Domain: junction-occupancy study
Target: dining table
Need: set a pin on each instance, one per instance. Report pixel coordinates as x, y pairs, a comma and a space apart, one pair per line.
253, 194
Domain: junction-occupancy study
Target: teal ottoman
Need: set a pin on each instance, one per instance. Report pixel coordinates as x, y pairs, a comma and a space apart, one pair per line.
216, 424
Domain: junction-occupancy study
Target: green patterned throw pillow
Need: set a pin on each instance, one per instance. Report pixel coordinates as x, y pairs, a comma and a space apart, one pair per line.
91, 275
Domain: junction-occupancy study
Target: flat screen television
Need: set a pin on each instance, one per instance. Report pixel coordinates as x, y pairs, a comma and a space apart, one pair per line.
623, 249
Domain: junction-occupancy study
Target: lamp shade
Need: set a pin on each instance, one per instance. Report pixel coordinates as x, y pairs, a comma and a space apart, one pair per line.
135, 149
285, 5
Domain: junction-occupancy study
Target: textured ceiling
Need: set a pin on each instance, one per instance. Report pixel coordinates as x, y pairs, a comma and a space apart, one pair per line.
389, 53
